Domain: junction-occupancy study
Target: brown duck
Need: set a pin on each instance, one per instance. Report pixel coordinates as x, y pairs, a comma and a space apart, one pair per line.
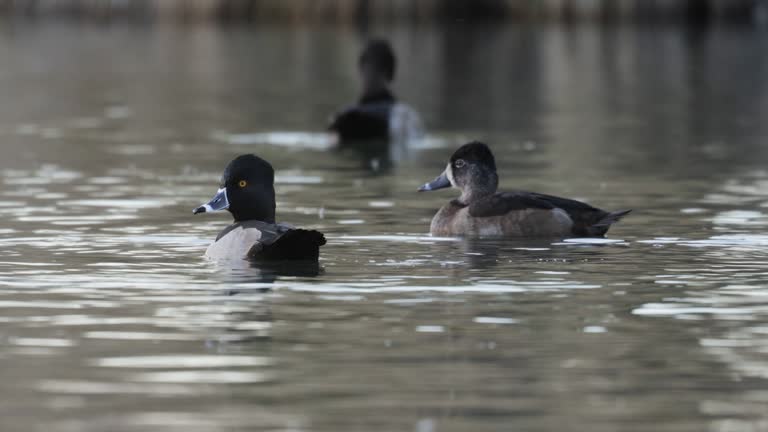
481, 211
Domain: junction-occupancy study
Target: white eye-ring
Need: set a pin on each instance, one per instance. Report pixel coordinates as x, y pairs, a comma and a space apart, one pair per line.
459, 163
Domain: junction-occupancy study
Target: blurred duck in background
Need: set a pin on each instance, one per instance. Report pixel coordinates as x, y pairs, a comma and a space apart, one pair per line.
377, 115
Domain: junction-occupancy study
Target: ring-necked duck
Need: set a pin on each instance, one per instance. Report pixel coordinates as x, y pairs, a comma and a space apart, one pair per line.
377, 114
481, 211
247, 191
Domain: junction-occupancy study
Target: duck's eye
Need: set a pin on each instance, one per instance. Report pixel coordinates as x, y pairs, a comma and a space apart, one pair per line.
243, 183
459, 163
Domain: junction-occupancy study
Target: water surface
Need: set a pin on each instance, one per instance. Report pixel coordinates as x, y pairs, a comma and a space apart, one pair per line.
112, 319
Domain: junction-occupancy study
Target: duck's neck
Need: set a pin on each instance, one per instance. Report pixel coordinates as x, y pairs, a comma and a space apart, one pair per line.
377, 95
264, 210
470, 195
375, 87
479, 190
268, 217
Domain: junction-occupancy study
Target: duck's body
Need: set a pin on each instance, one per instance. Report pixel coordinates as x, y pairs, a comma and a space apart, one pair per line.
248, 193
368, 119
522, 214
257, 240
396, 122
480, 211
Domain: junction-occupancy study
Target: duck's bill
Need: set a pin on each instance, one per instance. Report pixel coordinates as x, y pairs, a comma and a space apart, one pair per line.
439, 183
218, 202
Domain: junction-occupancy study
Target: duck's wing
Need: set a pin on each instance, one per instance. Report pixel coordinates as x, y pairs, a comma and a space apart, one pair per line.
502, 203
283, 242
587, 220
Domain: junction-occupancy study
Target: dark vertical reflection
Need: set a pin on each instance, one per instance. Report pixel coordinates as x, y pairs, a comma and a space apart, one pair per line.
697, 12
489, 76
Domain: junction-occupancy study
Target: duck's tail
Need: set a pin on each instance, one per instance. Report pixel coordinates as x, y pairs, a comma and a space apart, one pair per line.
600, 227
295, 244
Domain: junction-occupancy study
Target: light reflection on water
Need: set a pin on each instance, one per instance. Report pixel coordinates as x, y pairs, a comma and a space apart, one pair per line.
111, 318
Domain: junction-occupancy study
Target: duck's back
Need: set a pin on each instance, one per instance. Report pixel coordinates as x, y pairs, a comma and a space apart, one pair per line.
257, 240
363, 121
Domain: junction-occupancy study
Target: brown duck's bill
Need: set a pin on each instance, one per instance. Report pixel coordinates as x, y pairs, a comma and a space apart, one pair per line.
218, 202
440, 182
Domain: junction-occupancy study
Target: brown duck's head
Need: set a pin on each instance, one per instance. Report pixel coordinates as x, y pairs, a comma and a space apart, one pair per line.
471, 169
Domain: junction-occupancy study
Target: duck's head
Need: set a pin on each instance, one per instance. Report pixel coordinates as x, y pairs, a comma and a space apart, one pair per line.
247, 190
471, 169
377, 65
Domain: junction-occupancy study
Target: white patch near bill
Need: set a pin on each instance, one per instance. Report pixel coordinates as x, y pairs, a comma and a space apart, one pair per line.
449, 174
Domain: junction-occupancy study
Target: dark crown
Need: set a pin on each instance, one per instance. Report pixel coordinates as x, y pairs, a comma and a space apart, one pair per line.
248, 166
475, 152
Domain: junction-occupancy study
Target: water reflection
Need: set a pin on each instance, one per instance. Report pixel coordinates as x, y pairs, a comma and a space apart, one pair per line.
721, 303
266, 272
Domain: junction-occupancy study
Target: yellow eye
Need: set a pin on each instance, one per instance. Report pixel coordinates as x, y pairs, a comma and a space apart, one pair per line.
242, 183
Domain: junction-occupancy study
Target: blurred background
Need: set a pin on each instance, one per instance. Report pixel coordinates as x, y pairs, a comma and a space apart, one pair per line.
356, 11
117, 118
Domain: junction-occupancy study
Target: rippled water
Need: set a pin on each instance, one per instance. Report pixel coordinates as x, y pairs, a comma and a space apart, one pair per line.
112, 320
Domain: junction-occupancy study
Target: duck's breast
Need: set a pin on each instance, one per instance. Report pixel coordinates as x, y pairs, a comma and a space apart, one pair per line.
447, 221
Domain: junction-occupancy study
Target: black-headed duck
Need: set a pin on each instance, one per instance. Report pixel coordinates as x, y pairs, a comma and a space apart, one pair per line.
377, 114
247, 191
481, 211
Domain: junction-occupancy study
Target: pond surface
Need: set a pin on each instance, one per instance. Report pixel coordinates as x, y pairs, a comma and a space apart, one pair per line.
112, 320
